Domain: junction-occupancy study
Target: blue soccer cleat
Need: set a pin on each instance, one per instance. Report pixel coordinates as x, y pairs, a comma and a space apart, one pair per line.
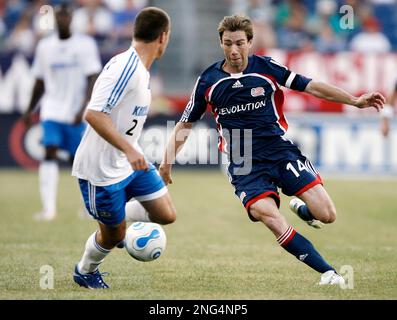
90, 280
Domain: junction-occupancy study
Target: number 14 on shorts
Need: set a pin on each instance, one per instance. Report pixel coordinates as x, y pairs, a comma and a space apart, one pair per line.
300, 167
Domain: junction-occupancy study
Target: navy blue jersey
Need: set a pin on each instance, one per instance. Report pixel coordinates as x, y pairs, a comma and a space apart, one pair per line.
249, 100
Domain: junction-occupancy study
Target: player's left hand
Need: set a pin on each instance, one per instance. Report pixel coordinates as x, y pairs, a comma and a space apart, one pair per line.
374, 99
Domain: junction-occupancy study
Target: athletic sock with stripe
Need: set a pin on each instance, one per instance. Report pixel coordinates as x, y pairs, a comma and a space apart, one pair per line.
93, 255
303, 250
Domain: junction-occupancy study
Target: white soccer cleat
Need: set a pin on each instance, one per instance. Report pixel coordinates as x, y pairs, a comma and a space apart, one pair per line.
44, 216
294, 205
331, 278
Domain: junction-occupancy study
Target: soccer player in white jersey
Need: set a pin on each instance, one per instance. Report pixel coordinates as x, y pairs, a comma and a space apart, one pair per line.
109, 163
66, 66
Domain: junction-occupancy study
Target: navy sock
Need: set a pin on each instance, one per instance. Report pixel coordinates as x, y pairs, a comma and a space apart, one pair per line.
304, 213
303, 250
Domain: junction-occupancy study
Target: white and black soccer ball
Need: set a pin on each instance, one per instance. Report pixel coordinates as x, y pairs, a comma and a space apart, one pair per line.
145, 241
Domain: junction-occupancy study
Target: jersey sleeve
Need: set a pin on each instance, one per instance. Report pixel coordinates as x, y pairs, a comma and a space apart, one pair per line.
112, 85
38, 62
286, 77
197, 104
91, 62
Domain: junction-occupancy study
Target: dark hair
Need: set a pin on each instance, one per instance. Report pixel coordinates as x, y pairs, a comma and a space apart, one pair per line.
64, 7
236, 23
150, 23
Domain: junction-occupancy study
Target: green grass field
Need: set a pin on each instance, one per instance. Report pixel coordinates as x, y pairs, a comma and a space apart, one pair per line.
213, 250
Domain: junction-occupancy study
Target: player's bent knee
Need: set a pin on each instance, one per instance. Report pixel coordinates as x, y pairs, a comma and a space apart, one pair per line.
329, 215
167, 216
170, 217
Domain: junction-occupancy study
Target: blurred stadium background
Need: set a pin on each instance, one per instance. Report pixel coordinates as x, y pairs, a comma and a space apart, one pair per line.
342, 142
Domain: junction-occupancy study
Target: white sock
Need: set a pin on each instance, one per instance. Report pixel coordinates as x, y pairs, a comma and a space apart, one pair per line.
93, 255
48, 180
134, 211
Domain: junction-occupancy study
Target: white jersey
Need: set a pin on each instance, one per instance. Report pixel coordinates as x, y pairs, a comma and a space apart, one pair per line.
122, 90
64, 65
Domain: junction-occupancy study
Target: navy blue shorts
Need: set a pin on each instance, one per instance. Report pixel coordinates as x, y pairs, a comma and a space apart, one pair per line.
278, 164
107, 203
62, 135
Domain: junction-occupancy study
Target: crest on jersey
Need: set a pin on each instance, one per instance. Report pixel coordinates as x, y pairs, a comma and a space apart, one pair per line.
258, 91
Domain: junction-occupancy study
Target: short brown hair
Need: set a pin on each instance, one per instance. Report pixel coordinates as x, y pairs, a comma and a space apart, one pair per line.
236, 23
150, 23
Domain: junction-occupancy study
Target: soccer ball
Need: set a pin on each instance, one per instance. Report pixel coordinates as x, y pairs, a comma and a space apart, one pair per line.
145, 241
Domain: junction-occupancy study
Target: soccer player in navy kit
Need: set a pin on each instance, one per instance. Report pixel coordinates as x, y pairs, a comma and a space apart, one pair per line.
244, 95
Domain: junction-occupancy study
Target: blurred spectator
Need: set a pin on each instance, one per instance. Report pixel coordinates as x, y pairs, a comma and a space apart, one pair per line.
264, 37
328, 42
93, 19
325, 14
13, 11
119, 5
293, 36
383, 1
2, 24
286, 9
370, 39
261, 13
22, 38
257, 10
124, 19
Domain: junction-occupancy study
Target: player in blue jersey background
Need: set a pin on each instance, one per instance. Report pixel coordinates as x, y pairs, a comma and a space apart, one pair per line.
245, 97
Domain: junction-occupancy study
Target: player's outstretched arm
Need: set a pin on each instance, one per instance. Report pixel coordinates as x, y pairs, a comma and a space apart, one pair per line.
331, 93
177, 140
103, 125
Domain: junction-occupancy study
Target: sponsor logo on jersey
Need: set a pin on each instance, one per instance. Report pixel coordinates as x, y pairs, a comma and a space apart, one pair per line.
258, 91
242, 196
140, 111
237, 84
63, 65
242, 107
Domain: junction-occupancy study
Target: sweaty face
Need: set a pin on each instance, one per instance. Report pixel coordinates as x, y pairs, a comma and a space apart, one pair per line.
236, 48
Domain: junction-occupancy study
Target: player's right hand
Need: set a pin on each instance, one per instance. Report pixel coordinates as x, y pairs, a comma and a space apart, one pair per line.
137, 160
165, 173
